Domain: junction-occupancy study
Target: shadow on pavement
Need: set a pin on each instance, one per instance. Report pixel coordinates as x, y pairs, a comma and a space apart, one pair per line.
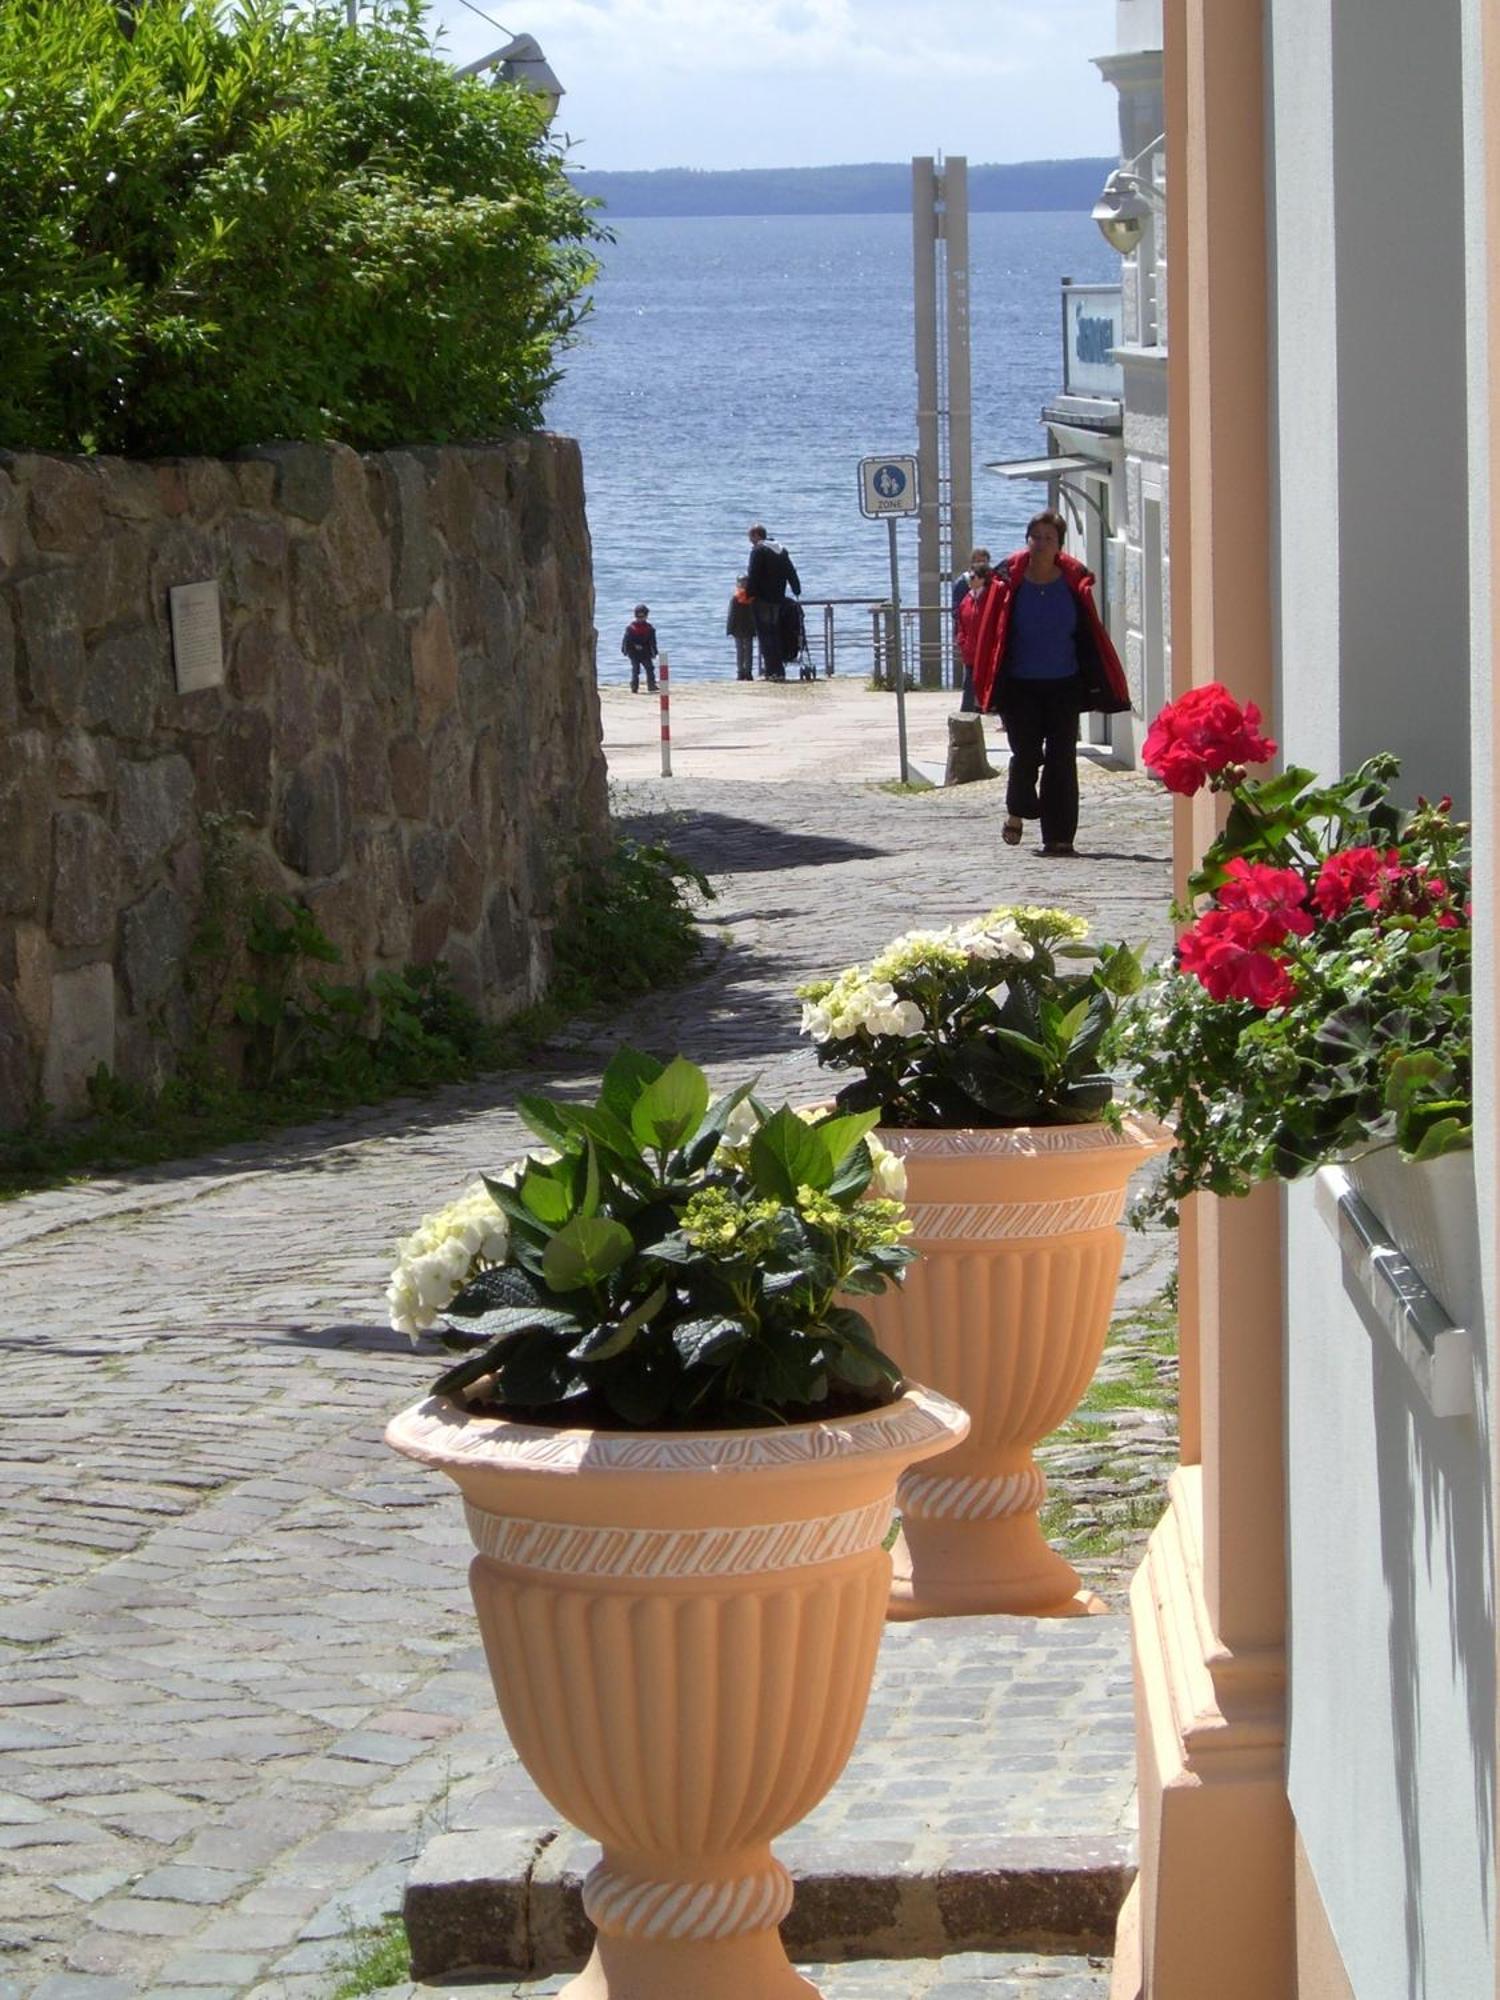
721, 844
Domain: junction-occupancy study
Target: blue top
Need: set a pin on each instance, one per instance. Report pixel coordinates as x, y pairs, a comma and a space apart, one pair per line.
1043, 621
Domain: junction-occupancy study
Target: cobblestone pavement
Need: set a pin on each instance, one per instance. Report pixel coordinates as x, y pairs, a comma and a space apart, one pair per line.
238, 1676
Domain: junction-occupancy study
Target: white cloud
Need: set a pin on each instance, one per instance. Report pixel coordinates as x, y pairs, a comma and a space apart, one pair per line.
717, 83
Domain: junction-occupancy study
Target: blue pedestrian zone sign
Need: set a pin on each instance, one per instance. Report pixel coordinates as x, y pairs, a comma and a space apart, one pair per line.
887, 486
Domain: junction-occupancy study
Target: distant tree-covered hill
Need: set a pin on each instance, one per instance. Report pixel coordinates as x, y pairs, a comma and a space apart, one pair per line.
873, 189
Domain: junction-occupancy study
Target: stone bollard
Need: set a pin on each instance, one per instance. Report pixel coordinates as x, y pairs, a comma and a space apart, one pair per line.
967, 760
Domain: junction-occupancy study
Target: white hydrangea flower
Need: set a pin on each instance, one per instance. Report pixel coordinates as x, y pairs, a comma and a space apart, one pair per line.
742, 1123
437, 1260
817, 1021
889, 1178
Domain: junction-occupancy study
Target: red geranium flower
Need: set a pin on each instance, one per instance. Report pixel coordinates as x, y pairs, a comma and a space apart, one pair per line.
1274, 894
1362, 872
1225, 953
1204, 733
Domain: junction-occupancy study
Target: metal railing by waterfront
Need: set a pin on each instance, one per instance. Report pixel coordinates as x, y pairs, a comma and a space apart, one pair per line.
853, 635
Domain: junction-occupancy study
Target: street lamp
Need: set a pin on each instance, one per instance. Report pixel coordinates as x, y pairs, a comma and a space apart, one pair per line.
521, 61
1127, 203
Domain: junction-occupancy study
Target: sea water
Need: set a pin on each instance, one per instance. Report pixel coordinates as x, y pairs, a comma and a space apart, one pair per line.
737, 368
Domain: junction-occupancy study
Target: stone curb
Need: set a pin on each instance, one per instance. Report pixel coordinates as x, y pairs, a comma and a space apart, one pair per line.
513, 1902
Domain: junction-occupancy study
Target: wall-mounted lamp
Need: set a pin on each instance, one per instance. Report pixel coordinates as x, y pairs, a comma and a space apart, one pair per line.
521, 61
1127, 203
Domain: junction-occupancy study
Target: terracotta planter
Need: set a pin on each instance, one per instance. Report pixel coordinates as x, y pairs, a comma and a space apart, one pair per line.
681, 1629
1007, 1313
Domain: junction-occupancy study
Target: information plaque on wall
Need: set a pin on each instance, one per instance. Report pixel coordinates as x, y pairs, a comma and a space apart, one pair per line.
197, 636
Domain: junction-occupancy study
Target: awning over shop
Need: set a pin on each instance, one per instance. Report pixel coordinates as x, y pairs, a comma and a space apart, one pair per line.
1047, 468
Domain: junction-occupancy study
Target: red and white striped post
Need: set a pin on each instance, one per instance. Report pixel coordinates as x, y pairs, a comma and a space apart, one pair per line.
666, 717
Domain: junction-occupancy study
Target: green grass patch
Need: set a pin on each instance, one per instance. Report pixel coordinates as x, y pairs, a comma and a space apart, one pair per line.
376, 1955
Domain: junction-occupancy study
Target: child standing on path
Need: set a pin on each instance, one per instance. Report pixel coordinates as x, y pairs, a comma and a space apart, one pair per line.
740, 626
640, 648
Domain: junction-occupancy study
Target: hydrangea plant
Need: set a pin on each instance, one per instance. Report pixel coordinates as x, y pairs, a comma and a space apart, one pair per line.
1317, 1002
665, 1261
993, 1022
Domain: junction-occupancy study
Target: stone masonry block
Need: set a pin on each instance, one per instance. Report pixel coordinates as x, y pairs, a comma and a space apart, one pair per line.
85, 880
26, 972
17, 1067
51, 659
434, 666
82, 1034
304, 478
25, 824
65, 509
82, 765
313, 826
128, 674
466, 1903
154, 949
409, 524
10, 710
155, 800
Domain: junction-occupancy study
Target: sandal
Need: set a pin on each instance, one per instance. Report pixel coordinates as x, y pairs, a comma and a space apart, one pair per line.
1011, 832
1060, 847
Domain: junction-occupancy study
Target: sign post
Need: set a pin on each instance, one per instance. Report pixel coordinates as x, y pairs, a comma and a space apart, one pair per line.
888, 490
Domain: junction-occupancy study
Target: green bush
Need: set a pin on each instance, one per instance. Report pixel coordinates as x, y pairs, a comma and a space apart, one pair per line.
221, 226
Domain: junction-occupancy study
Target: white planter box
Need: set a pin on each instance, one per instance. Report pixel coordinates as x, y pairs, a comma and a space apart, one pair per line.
1410, 1237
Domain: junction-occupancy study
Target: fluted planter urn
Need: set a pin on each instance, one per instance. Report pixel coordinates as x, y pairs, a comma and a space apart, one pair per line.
1007, 1312
682, 1628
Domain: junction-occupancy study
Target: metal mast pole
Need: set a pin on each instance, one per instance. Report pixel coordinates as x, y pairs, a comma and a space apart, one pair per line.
924, 223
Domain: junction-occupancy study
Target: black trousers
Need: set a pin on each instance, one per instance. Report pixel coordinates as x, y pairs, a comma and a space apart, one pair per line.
768, 630
1041, 725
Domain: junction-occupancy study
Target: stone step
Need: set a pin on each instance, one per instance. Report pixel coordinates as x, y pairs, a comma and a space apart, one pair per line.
988, 1807
971, 1976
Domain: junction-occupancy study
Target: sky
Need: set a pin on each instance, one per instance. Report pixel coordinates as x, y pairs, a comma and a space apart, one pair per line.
806, 83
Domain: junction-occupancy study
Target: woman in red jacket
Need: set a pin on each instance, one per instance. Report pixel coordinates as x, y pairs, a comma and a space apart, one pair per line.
1042, 656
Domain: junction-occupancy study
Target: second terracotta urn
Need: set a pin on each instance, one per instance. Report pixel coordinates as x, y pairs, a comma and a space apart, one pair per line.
1007, 1312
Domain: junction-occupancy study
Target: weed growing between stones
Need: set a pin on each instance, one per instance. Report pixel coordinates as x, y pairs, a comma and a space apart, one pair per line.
629, 926
375, 1955
276, 1041
1107, 1467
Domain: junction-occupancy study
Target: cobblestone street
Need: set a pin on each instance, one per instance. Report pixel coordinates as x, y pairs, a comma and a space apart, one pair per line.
240, 1675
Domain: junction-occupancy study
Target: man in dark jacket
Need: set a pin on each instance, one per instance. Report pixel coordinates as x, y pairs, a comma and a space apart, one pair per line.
769, 576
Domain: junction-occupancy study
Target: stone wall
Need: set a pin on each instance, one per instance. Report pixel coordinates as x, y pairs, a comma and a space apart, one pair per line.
408, 730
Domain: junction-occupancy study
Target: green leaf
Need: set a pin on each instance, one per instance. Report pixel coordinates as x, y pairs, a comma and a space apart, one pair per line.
612, 1337
786, 1153
503, 1301
671, 1106
590, 1202
842, 1134
584, 1251
547, 1198
549, 1121
1446, 1135
699, 1340
626, 1075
